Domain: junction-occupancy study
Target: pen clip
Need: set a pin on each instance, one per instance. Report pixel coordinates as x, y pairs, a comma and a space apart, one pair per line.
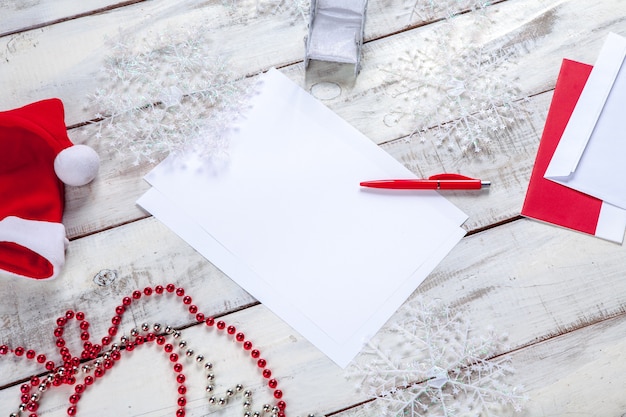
450, 177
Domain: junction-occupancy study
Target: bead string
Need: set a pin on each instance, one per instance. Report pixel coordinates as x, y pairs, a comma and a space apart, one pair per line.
93, 359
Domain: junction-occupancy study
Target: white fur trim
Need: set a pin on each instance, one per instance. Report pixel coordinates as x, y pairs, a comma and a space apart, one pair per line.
44, 238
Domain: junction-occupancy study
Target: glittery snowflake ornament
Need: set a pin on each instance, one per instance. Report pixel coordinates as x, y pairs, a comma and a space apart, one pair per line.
454, 92
440, 368
167, 93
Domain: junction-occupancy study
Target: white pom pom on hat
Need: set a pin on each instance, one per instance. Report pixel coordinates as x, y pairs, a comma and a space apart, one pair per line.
77, 165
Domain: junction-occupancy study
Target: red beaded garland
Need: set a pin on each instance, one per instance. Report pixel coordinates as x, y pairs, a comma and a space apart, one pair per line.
65, 374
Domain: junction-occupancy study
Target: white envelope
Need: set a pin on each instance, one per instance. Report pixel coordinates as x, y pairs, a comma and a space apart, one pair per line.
287, 220
591, 155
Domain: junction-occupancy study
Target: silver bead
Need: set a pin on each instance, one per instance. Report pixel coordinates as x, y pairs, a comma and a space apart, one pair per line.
275, 409
247, 404
168, 329
189, 353
182, 344
208, 366
157, 327
34, 396
238, 387
222, 401
175, 334
124, 339
145, 327
13, 415
267, 407
257, 414
210, 388
247, 394
86, 369
134, 332
199, 358
230, 392
22, 407
247, 414
212, 400
42, 387
210, 377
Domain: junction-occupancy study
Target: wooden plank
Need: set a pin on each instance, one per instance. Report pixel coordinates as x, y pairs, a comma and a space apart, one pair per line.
27, 15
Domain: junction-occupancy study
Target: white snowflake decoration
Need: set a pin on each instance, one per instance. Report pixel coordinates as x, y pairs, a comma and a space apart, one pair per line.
426, 10
470, 99
167, 94
439, 369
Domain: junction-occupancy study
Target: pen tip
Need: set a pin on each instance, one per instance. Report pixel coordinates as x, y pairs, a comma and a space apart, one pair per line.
485, 184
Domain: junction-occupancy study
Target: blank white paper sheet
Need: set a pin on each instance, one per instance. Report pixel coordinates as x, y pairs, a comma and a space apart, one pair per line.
287, 220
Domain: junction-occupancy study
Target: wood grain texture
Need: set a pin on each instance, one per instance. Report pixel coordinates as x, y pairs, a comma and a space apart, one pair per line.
557, 293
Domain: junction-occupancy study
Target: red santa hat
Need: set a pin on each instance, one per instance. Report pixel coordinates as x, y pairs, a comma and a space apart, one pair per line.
36, 159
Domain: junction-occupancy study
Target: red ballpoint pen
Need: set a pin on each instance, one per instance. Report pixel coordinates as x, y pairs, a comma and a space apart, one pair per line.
435, 182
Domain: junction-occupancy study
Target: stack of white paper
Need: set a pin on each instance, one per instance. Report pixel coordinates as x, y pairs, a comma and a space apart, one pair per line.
590, 155
287, 220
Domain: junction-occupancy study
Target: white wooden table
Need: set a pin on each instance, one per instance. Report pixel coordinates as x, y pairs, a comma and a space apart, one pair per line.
558, 294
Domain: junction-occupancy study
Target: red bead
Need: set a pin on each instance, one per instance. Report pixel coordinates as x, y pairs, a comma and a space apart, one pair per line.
126, 301
71, 411
25, 389
136, 294
187, 300
116, 355
61, 321
182, 389
231, 330
74, 398
58, 332
112, 331
181, 401
173, 357
30, 354
89, 380
180, 412
19, 351
49, 365
278, 394
261, 363
160, 340
119, 310
281, 405
180, 378
4, 349
80, 315
84, 336
178, 367
98, 372
69, 314
108, 363
180, 292
199, 317
267, 373
221, 325
193, 309
147, 291
159, 289
106, 340
272, 383
255, 353
170, 287
34, 381
130, 347
84, 325
32, 406
150, 337
247, 345
79, 389
41, 358
240, 337
168, 348
210, 321
60, 343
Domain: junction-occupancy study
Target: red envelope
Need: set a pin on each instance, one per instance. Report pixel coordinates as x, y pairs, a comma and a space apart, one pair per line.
554, 203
